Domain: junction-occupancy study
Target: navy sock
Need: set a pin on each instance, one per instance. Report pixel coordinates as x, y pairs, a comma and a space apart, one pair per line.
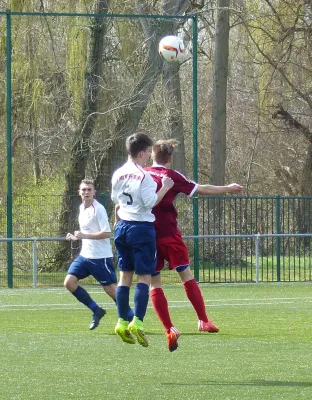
130, 314
141, 296
83, 296
122, 301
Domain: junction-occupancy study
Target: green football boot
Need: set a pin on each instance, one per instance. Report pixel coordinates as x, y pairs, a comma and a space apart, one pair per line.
136, 328
121, 329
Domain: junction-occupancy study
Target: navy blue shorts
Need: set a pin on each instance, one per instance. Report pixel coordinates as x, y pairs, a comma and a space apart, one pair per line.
102, 269
136, 246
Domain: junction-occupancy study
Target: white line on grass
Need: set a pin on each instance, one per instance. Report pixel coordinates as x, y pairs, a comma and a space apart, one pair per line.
60, 292
172, 304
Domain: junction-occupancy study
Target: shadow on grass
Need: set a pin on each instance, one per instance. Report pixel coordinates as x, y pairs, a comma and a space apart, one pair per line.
250, 383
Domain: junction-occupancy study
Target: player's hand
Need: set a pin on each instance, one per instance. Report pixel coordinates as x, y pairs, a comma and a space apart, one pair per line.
70, 236
234, 188
78, 235
167, 182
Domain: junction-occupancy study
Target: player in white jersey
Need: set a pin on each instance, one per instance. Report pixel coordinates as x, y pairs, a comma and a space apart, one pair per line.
96, 256
134, 193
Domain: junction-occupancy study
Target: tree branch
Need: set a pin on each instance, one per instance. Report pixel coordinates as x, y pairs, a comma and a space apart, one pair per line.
289, 120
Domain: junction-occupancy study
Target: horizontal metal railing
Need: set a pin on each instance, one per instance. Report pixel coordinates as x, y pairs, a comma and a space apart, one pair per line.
256, 237
34, 241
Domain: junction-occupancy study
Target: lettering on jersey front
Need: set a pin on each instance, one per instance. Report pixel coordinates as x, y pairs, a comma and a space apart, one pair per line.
130, 176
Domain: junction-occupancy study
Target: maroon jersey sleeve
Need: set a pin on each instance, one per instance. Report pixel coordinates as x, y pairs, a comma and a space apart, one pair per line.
166, 215
182, 184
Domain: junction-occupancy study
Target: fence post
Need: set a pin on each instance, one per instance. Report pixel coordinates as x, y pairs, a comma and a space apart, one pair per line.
278, 239
195, 149
34, 246
257, 256
196, 244
9, 146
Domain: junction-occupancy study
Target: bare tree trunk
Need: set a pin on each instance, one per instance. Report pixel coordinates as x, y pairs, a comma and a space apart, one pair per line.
306, 180
218, 145
171, 83
36, 156
80, 151
219, 98
289, 120
33, 124
173, 105
303, 212
131, 113
134, 107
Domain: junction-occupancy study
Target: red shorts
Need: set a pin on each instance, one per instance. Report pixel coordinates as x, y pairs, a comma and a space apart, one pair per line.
173, 250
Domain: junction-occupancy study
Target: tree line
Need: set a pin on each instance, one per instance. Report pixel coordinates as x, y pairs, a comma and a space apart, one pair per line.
80, 85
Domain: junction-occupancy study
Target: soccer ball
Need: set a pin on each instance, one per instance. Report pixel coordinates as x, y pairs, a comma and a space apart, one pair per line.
171, 48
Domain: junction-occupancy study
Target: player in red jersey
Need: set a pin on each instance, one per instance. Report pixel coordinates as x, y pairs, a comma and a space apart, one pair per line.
170, 246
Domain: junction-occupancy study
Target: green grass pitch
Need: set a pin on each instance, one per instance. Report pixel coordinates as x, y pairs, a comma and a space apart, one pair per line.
263, 349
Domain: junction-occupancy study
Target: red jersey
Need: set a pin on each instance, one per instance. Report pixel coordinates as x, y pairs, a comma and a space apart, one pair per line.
166, 215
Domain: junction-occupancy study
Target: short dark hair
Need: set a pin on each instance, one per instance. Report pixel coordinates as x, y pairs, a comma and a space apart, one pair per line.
138, 142
87, 181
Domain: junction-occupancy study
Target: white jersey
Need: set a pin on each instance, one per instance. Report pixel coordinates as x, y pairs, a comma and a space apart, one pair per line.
134, 190
94, 219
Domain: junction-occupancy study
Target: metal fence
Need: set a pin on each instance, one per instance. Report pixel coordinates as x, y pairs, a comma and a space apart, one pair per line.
222, 235
255, 271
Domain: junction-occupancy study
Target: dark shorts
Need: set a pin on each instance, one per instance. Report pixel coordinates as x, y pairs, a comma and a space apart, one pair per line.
173, 250
102, 269
136, 246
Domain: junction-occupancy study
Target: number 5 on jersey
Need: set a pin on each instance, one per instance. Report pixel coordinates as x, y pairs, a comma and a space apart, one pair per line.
130, 201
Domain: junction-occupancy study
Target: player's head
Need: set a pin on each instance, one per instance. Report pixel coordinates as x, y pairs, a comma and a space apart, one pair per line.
138, 147
163, 151
87, 190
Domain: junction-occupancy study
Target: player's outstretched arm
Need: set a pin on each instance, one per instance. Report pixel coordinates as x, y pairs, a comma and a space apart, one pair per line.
210, 190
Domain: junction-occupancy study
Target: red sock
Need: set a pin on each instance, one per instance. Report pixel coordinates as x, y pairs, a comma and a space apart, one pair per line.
195, 297
161, 307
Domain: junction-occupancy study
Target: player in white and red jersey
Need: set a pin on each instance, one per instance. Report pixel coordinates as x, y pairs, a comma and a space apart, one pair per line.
170, 246
135, 194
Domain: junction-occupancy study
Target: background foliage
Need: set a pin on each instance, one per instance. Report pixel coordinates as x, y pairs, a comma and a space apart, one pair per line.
268, 106
80, 85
